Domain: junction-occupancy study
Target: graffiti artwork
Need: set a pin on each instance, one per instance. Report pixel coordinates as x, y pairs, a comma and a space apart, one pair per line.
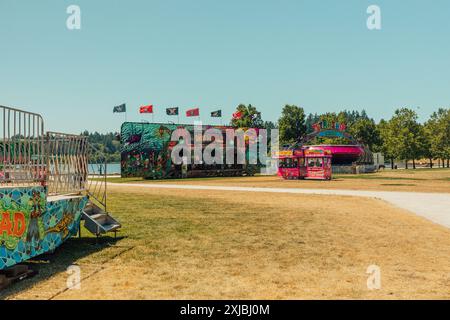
31, 226
146, 151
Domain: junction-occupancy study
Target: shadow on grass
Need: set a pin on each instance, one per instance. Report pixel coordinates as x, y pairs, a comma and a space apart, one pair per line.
67, 254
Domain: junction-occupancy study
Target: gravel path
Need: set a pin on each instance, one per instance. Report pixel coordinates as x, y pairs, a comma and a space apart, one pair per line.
432, 206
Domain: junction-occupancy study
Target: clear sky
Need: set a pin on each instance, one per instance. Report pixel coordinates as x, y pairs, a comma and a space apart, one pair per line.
217, 54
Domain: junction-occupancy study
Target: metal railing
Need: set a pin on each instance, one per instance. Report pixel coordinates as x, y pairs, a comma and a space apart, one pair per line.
97, 181
22, 148
64, 163
67, 163
75, 166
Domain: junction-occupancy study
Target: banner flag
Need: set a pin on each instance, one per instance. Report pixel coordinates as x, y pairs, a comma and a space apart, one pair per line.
193, 113
120, 109
146, 109
172, 111
216, 114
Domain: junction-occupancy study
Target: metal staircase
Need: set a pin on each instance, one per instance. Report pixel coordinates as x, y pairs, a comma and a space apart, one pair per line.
97, 219
77, 167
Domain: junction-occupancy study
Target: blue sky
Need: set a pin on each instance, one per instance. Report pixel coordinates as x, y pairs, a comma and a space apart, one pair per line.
217, 54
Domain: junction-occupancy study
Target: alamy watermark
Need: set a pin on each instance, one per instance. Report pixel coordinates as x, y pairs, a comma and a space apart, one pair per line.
374, 19
374, 280
74, 279
241, 146
73, 21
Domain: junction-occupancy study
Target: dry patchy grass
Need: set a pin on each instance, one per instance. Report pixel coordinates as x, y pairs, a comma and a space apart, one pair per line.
230, 245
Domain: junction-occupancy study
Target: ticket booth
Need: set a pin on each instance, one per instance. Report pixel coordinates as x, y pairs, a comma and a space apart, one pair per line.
291, 164
318, 164
304, 164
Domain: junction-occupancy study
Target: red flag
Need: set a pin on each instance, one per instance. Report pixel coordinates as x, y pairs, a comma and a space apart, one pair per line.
237, 115
193, 113
146, 109
316, 127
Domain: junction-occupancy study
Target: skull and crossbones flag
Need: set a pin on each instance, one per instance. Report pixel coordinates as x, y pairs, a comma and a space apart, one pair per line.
172, 111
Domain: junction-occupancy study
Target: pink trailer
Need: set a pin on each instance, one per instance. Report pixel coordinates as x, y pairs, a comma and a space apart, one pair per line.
304, 164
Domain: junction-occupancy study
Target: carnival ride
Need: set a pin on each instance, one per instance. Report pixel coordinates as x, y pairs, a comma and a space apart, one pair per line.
344, 158
342, 154
146, 150
49, 183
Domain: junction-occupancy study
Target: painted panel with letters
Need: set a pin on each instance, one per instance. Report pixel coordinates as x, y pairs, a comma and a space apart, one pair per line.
31, 226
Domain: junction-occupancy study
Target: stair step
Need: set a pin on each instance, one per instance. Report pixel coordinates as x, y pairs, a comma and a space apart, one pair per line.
92, 211
98, 221
110, 227
98, 216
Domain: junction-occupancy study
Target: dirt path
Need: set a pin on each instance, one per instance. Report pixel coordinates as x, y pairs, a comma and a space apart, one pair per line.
432, 206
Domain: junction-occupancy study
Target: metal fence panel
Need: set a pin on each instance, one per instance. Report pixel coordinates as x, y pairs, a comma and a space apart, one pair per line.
64, 163
22, 150
67, 163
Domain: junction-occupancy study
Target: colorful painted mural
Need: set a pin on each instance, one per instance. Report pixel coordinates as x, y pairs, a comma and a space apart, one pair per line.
31, 226
146, 149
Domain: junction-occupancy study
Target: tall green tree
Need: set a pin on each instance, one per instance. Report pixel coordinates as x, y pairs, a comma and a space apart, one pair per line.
269, 125
366, 131
437, 129
247, 117
388, 141
406, 135
424, 145
446, 134
292, 124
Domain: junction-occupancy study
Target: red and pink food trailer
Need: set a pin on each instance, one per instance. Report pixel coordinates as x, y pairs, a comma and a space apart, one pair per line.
304, 164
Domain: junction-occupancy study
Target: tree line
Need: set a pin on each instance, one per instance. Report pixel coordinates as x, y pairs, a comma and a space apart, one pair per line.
402, 137
105, 145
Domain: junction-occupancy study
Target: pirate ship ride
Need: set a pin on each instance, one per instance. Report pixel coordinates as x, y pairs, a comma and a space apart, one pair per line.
49, 183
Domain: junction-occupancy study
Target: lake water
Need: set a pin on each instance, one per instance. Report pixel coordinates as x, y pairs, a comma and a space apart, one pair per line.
112, 168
